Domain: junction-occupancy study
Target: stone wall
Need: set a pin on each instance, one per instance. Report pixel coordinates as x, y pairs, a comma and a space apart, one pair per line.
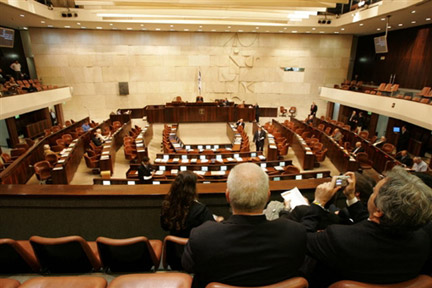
161, 65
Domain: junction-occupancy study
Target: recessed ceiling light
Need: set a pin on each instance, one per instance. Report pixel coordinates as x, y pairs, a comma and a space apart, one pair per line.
383, 19
227, 30
240, 30
400, 25
142, 25
308, 32
343, 29
389, 27
171, 26
43, 22
428, 19
98, 27
413, 22
200, 26
413, 11
336, 32
378, 29
129, 28
285, 28
78, 23
294, 31
321, 31
229, 27
50, 26
314, 28
25, 28
66, 26
22, 15
111, 24
361, 24
257, 28
186, 29
83, 27
157, 29
213, 30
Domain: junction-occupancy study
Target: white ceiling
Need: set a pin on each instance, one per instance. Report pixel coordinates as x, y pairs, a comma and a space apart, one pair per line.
271, 16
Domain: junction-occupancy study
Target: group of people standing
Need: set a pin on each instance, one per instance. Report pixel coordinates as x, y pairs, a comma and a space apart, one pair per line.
357, 121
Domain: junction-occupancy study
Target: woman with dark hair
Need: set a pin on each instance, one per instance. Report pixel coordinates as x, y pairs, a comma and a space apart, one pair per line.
181, 212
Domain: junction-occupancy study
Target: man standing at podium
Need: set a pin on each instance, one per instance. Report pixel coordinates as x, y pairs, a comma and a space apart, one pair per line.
259, 138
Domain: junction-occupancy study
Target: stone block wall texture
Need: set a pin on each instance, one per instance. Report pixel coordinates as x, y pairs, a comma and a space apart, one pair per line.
162, 65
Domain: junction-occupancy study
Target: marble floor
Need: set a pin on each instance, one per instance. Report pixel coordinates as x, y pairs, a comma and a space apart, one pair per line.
190, 133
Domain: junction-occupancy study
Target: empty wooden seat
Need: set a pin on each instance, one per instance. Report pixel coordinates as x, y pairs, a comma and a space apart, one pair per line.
283, 111
381, 87
172, 252
421, 281
17, 257
42, 170
65, 282
297, 282
424, 92
363, 160
137, 254
171, 280
71, 254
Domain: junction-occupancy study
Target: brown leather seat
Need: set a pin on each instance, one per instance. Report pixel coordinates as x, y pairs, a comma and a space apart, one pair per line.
91, 162
171, 246
363, 160
66, 282
388, 148
17, 257
283, 110
60, 142
24, 146
170, 279
71, 254
297, 282
290, 169
320, 155
136, 254
42, 170
7, 159
16, 152
421, 281
9, 283
292, 111
364, 134
67, 139
52, 159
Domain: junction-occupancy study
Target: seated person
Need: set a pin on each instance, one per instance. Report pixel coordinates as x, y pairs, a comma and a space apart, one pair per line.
240, 122
181, 211
246, 249
199, 99
145, 171
86, 126
358, 148
242, 105
388, 247
98, 139
337, 135
419, 165
380, 142
47, 150
404, 158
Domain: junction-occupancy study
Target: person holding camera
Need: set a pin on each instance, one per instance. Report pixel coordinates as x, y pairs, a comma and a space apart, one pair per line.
387, 247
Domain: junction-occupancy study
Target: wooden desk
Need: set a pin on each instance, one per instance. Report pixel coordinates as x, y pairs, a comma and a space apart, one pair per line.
303, 152
65, 169
341, 158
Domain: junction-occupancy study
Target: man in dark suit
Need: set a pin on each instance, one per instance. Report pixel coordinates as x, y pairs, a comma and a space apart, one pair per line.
404, 158
313, 109
358, 148
259, 138
404, 138
239, 123
380, 142
199, 99
388, 247
145, 171
246, 249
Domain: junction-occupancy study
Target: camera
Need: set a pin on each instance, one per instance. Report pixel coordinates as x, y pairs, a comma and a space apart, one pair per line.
342, 180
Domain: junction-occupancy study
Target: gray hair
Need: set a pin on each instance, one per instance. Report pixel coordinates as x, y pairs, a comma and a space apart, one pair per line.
248, 187
405, 201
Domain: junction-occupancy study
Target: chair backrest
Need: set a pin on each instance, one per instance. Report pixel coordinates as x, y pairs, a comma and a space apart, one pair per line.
17, 152
128, 255
90, 162
297, 282
70, 254
291, 169
381, 86
65, 282
42, 167
24, 146
364, 134
421, 281
68, 123
328, 130
60, 142
388, 148
171, 280
172, 251
15, 259
51, 158
362, 157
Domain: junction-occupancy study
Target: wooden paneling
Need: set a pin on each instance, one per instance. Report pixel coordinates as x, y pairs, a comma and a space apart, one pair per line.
409, 57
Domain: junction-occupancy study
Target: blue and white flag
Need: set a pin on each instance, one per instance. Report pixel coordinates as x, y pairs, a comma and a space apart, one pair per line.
199, 83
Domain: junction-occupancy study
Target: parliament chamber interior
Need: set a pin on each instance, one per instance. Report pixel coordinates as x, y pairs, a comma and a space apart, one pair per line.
105, 104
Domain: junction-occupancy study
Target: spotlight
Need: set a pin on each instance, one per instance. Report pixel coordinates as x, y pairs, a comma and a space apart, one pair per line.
328, 21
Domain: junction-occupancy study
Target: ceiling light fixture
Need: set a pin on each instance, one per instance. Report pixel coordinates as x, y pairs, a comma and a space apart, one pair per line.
50, 26
361, 24
78, 23
413, 22
25, 28
294, 31
400, 24
342, 29
378, 29
43, 22
111, 24
67, 26
428, 19
413, 11
22, 15
129, 28
99, 27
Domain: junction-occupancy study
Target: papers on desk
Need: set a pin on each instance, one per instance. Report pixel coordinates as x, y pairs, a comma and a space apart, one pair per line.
261, 157
272, 146
72, 145
278, 168
175, 160
104, 157
159, 172
239, 159
228, 148
185, 161
204, 160
194, 160
264, 169
174, 171
105, 152
176, 145
139, 145
217, 173
294, 197
199, 172
229, 159
58, 168
61, 161
309, 152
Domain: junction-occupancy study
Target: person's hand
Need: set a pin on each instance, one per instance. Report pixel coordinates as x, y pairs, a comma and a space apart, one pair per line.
219, 219
325, 191
349, 190
287, 204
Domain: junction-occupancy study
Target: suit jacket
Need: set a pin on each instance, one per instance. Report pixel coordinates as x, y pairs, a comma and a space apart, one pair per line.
245, 251
358, 150
144, 171
403, 141
313, 109
366, 252
258, 136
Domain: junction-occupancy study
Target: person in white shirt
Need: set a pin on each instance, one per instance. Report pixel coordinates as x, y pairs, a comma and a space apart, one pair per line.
16, 67
419, 165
